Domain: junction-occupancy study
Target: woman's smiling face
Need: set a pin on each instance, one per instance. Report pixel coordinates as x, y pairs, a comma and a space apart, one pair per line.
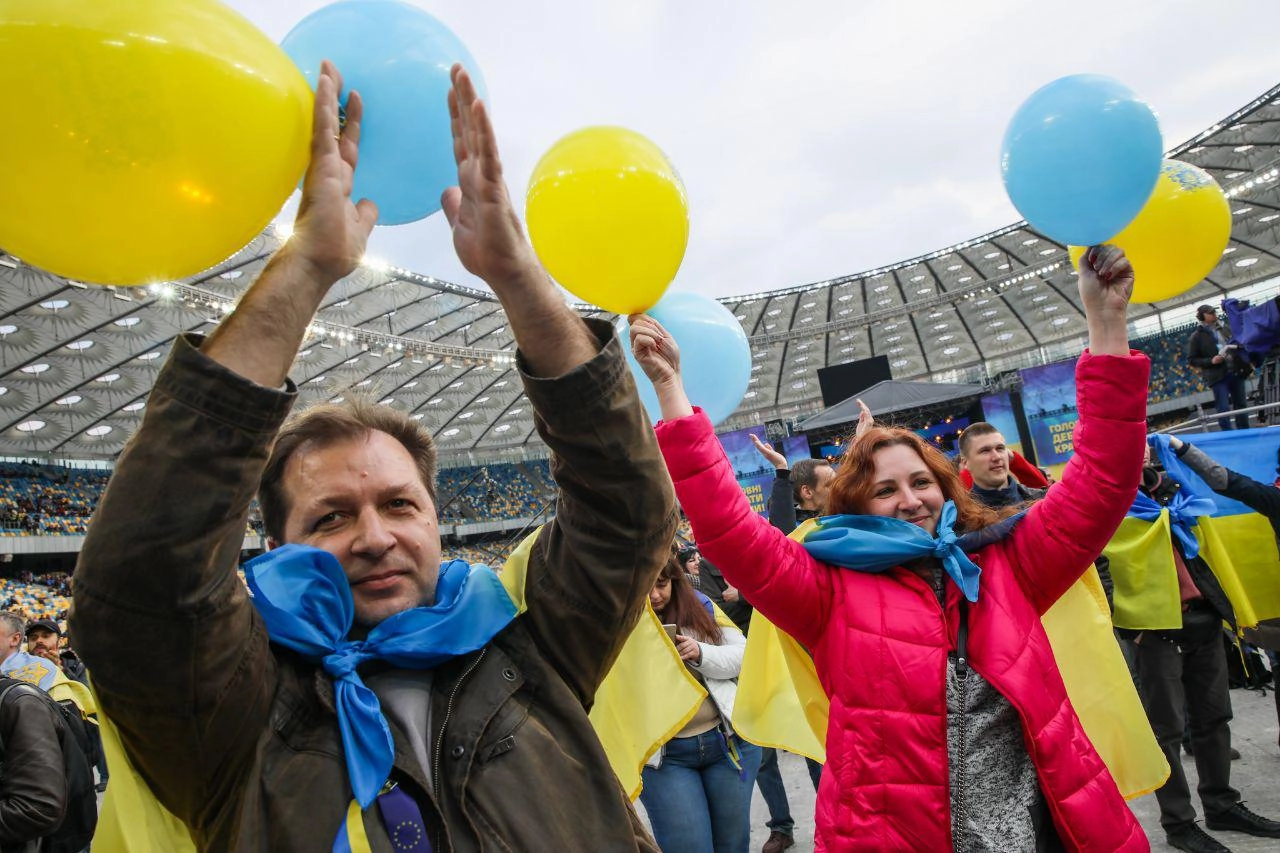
905, 488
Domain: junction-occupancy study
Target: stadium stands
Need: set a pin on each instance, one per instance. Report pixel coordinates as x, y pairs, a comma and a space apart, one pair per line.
487, 492
40, 597
1171, 378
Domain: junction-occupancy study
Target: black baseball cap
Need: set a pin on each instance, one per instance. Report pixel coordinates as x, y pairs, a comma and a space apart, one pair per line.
47, 624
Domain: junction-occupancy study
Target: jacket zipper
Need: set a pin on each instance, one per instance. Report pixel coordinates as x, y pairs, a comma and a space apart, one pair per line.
958, 807
962, 676
448, 711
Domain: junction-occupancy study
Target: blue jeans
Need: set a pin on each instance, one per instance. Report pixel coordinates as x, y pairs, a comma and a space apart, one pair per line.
774, 792
697, 801
1228, 394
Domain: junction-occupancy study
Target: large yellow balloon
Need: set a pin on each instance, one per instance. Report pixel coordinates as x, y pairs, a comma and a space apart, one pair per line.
608, 217
1178, 237
146, 139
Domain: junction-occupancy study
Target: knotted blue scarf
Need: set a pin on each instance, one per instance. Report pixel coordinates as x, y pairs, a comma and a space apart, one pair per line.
875, 543
305, 600
1187, 506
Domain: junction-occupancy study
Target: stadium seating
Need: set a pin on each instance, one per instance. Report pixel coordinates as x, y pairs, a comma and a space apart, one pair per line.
45, 597
54, 500
1171, 378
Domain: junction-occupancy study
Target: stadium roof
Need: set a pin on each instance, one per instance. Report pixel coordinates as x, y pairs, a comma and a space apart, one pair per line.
77, 361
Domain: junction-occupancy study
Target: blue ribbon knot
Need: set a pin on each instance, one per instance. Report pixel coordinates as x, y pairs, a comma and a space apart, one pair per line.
876, 543
1188, 505
305, 600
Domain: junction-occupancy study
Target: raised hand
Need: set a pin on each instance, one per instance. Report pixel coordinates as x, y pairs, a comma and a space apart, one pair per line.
773, 457
659, 357
1106, 285
487, 234
330, 232
866, 420
655, 350
1106, 279
490, 242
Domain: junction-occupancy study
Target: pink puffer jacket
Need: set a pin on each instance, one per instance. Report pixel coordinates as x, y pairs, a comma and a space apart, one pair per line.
880, 641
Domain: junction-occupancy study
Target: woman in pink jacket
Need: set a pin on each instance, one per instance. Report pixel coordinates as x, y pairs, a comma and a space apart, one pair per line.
950, 727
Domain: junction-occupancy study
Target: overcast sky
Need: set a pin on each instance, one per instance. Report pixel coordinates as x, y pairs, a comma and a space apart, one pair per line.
818, 139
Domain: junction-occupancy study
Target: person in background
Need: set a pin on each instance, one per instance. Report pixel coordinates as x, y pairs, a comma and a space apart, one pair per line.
697, 788
1221, 365
1262, 498
1182, 678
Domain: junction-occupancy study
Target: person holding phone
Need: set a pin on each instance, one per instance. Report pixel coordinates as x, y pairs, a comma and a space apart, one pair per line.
697, 787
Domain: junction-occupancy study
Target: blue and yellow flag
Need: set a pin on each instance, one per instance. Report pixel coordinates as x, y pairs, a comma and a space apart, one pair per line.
1237, 543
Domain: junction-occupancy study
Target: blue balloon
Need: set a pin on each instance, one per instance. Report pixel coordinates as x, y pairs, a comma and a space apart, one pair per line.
1081, 157
715, 358
398, 58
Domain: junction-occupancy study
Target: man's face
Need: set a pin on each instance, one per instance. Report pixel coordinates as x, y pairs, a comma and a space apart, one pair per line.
363, 501
988, 461
1209, 318
41, 641
816, 497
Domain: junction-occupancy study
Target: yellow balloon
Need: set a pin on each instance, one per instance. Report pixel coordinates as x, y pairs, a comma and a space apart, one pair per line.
1178, 237
608, 218
147, 139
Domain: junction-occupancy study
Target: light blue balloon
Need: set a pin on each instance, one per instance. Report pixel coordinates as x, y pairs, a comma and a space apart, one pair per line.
1081, 157
398, 58
715, 357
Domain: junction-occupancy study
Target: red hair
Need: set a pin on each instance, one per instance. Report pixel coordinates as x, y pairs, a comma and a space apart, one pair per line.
855, 480
685, 609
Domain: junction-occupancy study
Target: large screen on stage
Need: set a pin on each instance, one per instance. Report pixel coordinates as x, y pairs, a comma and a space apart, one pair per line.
754, 474
1049, 402
997, 410
795, 448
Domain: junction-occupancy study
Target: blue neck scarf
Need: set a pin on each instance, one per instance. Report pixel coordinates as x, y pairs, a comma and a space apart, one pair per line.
875, 543
305, 600
1187, 506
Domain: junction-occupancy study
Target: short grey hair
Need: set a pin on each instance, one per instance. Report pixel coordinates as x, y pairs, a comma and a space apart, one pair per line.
14, 623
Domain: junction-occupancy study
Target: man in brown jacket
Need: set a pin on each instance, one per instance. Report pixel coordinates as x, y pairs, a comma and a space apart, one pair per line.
239, 736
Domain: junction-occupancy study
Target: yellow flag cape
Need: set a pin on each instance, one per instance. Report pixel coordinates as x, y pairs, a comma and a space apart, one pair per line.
781, 702
131, 819
648, 695
1241, 550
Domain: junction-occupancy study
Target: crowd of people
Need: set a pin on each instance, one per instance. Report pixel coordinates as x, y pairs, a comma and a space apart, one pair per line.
351, 665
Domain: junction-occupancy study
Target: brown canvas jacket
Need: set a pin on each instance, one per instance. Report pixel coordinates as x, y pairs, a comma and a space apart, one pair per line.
240, 738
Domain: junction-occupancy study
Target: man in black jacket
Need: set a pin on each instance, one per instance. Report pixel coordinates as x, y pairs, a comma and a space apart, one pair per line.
1183, 681
33, 783
1259, 497
1222, 368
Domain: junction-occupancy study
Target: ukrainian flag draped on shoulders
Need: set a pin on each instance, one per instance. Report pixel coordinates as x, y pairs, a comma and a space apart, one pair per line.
1238, 544
781, 702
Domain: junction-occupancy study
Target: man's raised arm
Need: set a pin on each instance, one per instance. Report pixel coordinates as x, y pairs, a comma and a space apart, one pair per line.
178, 656
260, 339
591, 571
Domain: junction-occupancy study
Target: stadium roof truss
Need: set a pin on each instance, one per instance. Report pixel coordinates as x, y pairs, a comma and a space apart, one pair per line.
77, 361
